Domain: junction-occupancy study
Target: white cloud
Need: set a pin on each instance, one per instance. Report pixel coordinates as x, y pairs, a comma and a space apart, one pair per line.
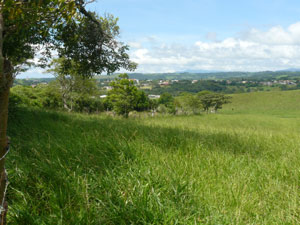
276, 35
254, 50
140, 53
135, 45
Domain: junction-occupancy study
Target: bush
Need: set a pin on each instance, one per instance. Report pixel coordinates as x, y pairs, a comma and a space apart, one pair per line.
88, 104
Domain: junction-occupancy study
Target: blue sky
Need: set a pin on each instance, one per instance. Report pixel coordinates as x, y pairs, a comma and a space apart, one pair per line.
195, 18
231, 35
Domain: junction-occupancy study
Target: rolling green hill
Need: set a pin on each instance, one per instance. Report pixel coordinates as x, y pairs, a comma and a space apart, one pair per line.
283, 103
236, 167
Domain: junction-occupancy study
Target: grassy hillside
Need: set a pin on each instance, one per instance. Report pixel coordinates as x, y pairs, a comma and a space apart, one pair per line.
230, 168
275, 102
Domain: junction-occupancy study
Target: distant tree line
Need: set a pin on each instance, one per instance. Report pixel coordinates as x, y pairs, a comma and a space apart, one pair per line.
220, 86
188, 103
253, 83
265, 75
75, 93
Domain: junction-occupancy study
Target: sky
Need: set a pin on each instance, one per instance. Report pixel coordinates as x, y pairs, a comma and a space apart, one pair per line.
200, 35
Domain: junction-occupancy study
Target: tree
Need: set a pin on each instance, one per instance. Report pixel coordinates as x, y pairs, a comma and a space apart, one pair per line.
153, 105
90, 46
206, 99
125, 97
73, 86
212, 100
50, 95
220, 100
167, 100
142, 101
189, 102
28, 27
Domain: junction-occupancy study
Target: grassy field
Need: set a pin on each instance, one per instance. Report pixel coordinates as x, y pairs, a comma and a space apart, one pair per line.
241, 166
281, 103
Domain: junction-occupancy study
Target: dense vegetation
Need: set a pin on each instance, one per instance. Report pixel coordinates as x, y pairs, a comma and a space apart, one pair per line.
75, 93
240, 166
225, 86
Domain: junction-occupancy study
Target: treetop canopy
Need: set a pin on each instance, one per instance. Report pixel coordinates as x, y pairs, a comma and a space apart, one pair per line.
65, 27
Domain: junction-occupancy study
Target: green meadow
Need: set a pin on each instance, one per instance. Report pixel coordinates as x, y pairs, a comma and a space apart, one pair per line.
281, 103
240, 166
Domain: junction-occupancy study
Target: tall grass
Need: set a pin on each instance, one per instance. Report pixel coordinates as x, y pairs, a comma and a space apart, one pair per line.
211, 169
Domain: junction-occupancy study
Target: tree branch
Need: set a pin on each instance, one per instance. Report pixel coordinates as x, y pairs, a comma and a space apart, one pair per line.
80, 5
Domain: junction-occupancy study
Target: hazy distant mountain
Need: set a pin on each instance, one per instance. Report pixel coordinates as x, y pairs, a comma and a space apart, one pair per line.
290, 70
200, 71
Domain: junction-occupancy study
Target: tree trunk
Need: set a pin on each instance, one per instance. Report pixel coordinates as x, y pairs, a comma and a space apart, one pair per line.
4, 94
6, 79
65, 102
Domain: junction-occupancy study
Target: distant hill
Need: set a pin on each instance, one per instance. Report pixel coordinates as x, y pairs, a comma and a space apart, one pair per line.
283, 103
264, 75
200, 71
291, 70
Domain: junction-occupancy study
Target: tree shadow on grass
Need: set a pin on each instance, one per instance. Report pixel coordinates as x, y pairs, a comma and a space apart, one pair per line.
78, 138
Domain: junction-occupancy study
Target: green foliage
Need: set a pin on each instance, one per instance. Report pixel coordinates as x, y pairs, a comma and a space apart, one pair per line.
142, 102
40, 96
102, 52
188, 102
29, 24
86, 103
125, 97
153, 104
15, 101
167, 100
25, 95
220, 100
77, 92
50, 96
162, 109
76, 34
212, 100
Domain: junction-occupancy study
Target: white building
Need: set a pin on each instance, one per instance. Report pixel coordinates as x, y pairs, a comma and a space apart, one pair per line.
154, 96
